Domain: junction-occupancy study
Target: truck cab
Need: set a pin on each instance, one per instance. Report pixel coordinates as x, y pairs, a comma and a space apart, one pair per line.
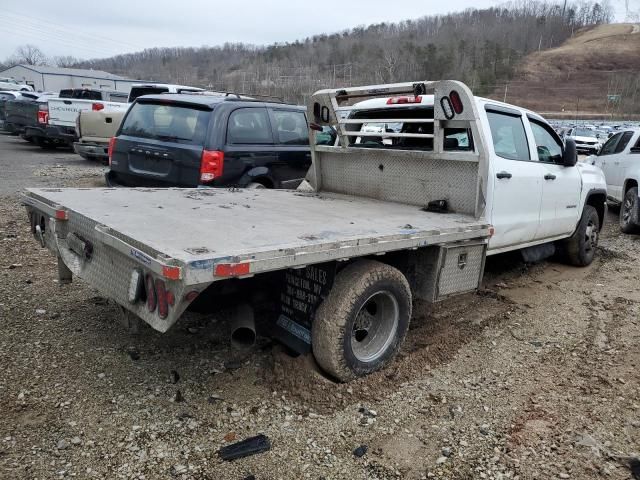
619, 159
536, 190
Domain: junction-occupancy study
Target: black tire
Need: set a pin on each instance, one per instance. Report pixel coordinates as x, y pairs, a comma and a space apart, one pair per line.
629, 211
365, 294
580, 248
256, 186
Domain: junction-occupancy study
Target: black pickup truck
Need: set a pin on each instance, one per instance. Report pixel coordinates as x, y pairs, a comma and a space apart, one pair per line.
23, 111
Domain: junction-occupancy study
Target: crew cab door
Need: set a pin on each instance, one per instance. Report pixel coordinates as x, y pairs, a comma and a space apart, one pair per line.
516, 178
561, 186
607, 162
621, 160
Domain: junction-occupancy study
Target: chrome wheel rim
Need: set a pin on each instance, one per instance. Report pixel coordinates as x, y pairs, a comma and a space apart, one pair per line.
375, 326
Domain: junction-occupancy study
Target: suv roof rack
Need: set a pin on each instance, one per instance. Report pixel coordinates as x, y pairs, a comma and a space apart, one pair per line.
235, 96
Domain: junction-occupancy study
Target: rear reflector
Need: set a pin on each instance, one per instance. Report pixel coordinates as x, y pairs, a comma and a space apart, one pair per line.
62, 214
456, 102
151, 293
96, 107
211, 165
112, 146
232, 269
403, 100
171, 273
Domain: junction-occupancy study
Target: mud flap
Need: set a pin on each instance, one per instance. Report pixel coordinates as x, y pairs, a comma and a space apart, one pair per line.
301, 293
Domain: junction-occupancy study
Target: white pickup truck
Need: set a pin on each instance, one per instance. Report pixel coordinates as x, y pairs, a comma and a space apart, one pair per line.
619, 159
333, 269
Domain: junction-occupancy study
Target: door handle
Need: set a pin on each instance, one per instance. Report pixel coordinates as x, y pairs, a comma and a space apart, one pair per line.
503, 175
549, 176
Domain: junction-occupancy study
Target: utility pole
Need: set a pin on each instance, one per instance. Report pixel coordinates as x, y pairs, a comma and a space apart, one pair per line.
506, 87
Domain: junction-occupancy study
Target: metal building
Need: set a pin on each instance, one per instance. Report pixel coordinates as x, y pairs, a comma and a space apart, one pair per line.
54, 79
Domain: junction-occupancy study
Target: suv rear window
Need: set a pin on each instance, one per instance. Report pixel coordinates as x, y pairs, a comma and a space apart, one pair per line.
173, 123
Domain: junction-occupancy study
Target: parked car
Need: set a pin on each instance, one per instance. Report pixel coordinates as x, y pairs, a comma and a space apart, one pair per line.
7, 83
58, 128
95, 128
586, 139
4, 97
192, 140
619, 159
27, 110
333, 271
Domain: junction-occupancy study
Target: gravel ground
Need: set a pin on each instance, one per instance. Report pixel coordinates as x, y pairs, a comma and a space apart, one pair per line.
534, 377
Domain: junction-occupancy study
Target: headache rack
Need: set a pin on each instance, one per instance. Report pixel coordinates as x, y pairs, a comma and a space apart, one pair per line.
416, 175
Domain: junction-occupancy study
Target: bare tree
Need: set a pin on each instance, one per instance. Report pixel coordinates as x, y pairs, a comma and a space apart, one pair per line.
65, 61
28, 55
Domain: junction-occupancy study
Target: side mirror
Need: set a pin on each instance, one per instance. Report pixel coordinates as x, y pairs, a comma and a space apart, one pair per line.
569, 154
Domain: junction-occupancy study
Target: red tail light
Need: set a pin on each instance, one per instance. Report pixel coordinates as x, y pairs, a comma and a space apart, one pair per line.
456, 102
96, 107
112, 145
163, 300
403, 100
43, 114
152, 300
211, 165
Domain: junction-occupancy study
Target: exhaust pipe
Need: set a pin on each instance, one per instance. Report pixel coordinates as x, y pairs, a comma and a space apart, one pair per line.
243, 328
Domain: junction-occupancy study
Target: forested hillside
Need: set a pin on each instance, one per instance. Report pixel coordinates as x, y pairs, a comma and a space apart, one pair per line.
481, 47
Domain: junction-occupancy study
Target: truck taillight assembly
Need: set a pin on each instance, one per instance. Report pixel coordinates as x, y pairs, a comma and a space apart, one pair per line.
211, 165
96, 107
112, 145
404, 100
43, 114
456, 102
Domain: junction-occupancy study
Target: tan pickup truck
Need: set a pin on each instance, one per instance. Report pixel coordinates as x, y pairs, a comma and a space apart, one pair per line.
94, 131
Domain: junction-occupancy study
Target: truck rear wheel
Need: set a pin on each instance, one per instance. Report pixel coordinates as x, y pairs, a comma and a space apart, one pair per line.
361, 325
580, 248
629, 211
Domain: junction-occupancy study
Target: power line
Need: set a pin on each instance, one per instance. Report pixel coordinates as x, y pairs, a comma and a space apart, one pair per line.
51, 25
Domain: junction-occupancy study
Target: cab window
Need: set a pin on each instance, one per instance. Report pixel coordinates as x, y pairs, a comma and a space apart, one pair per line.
509, 137
624, 140
548, 147
609, 148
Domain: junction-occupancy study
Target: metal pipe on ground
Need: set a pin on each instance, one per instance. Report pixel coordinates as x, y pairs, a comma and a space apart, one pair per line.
243, 328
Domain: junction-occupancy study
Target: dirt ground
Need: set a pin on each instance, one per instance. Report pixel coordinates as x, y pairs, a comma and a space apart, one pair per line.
534, 377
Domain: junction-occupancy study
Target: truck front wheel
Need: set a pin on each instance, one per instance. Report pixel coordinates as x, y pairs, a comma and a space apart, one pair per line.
580, 248
629, 211
361, 325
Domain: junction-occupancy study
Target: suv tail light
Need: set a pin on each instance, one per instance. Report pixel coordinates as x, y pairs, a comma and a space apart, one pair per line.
112, 145
211, 165
96, 107
43, 114
403, 100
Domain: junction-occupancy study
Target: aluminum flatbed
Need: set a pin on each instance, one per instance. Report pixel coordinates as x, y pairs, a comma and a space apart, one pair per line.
269, 229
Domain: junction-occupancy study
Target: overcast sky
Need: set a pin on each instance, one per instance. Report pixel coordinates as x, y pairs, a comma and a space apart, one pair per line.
77, 28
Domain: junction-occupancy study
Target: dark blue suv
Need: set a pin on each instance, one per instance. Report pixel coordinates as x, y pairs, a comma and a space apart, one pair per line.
190, 140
